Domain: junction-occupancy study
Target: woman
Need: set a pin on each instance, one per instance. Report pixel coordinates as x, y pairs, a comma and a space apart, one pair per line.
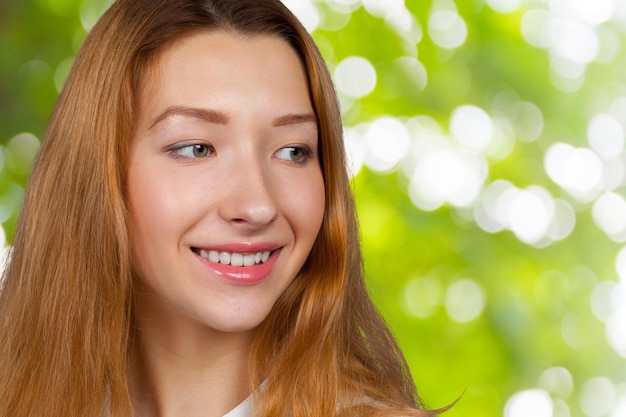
188, 237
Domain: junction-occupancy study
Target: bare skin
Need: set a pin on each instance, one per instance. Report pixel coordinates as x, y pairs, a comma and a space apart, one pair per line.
207, 375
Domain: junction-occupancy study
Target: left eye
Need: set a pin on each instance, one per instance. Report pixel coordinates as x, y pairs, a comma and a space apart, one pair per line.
293, 154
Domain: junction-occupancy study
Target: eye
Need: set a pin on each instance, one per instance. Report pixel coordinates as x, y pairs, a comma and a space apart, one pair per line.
193, 151
297, 154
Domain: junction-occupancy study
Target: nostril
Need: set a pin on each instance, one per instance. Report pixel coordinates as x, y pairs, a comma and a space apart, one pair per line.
249, 210
252, 222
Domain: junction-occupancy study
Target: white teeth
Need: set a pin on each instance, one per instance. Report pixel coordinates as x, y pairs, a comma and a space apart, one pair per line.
248, 260
236, 259
224, 258
213, 256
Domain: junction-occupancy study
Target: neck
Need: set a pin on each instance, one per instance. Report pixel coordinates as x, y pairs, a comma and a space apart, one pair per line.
179, 367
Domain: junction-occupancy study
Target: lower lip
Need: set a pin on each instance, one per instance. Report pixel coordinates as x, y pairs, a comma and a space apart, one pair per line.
243, 274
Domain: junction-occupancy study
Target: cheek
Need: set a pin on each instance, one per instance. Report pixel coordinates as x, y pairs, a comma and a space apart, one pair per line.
156, 199
147, 203
307, 205
143, 220
156, 207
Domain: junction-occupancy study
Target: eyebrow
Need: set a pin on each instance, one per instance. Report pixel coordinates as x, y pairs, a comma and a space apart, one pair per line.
293, 119
207, 115
218, 117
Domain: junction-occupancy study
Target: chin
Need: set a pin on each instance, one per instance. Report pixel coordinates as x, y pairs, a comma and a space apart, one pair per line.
237, 324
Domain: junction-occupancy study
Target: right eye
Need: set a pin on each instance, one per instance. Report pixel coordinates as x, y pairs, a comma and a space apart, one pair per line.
193, 151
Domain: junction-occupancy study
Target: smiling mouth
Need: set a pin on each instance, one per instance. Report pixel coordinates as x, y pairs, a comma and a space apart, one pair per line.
234, 258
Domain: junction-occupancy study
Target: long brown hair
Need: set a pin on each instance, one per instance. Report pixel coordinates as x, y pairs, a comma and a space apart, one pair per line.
66, 302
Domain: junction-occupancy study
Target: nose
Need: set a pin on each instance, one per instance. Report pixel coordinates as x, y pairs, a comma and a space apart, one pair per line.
249, 201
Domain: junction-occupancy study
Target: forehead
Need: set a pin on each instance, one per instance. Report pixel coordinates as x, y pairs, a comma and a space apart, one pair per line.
213, 44
226, 71
223, 59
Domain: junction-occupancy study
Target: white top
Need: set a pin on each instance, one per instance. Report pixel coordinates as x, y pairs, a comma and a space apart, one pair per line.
242, 410
245, 409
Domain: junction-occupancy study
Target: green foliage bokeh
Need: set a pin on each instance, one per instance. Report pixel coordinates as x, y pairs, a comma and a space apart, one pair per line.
537, 310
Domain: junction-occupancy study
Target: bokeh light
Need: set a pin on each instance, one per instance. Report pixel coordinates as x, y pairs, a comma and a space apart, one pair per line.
90, 12
447, 29
306, 11
610, 45
560, 409
563, 221
422, 296
593, 12
535, 28
502, 141
532, 214
609, 213
10, 201
529, 403
557, 381
387, 142
605, 299
465, 300
344, 6
20, 152
504, 6
597, 396
529, 214
447, 175
573, 41
616, 328
354, 150
472, 127
383, 8
606, 136
528, 122
574, 35
578, 171
620, 408
355, 77
402, 21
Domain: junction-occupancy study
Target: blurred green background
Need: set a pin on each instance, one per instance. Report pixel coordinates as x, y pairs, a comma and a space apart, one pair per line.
487, 146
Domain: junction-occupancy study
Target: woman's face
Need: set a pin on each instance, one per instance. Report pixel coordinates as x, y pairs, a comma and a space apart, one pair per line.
225, 190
